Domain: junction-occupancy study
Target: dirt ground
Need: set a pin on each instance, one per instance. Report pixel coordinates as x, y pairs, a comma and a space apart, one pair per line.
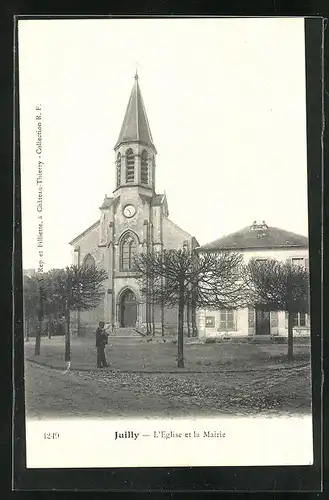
135, 354
109, 393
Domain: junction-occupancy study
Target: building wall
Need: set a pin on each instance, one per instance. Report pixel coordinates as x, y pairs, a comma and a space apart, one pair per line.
87, 321
173, 236
244, 319
274, 253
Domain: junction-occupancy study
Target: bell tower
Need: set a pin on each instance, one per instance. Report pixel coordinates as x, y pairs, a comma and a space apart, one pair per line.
134, 150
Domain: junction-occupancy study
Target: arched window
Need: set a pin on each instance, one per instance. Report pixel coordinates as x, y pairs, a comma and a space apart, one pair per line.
118, 169
130, 166
144, 168
89, 261
128, 251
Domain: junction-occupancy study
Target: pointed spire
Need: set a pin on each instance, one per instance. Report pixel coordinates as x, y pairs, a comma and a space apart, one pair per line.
135, 127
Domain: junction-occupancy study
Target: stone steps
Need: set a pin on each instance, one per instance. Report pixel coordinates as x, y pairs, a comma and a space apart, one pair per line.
125, 332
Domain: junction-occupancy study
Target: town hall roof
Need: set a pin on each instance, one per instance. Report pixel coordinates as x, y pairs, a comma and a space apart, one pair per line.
135, 127
258, 235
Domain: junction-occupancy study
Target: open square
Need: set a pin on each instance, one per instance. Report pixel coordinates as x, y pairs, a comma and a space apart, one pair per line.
143, 379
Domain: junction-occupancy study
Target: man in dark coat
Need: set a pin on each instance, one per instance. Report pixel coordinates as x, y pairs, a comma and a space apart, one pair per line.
101, 341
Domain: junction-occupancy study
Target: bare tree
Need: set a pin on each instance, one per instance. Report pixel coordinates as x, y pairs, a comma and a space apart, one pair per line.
212, 279
73, 288
280, 286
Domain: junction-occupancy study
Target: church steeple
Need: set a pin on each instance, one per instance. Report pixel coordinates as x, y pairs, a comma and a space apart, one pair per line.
135, 126
135, 152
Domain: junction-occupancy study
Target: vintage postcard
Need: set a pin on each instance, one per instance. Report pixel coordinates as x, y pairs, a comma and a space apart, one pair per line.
165, 242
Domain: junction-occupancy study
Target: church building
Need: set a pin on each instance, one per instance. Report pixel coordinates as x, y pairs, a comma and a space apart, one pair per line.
134, 219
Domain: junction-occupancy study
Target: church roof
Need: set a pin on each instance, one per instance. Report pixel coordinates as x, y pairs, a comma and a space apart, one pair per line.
135, 127
157, 200
106, 203
258, 235
90, 228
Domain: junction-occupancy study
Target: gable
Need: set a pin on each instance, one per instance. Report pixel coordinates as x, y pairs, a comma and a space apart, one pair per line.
82, 235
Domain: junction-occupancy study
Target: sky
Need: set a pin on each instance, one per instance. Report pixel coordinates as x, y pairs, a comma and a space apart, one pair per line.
225, 100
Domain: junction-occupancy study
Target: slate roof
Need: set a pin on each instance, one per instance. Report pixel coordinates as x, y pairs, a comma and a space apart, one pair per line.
107, 202
257, 236
157, 200
135, 127
90, 228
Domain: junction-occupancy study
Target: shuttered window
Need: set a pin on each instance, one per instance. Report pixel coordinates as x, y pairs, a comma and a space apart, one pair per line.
251, 320
130, 166
227, 319
144, 168
299, 319
274, 322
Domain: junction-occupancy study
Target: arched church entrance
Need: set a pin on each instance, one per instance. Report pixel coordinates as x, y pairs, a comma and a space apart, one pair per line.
128, 309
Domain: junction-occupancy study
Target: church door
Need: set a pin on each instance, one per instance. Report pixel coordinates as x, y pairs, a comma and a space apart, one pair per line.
128, 309
262, 321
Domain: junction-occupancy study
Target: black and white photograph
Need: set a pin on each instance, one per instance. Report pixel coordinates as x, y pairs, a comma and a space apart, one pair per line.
165, 242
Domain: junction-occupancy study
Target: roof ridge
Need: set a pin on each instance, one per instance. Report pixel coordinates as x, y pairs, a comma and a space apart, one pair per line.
247, 238
179, 228
95, 224
137, 110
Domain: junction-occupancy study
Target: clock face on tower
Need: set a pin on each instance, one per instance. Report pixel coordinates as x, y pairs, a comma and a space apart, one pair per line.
129, 211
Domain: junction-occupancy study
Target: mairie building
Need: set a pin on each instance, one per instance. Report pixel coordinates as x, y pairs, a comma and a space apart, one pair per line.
258, 241
134, 219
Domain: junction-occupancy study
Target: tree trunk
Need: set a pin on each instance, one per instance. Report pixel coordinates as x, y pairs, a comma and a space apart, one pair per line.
162, 319
153, 319
188, 317
162, 302
194, 326
148, 324
193, 310
67, 336
78, 323
38, 338
147, 308
152, 314
50, 326
290, 337
180, 342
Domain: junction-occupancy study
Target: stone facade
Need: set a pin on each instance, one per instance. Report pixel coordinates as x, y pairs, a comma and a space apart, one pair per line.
135, 219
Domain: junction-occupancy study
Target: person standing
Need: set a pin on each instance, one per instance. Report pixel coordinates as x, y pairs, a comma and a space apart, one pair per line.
101, 341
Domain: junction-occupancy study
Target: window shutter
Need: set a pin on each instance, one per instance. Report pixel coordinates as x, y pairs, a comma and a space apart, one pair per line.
251, 320
295, 319
274, 322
